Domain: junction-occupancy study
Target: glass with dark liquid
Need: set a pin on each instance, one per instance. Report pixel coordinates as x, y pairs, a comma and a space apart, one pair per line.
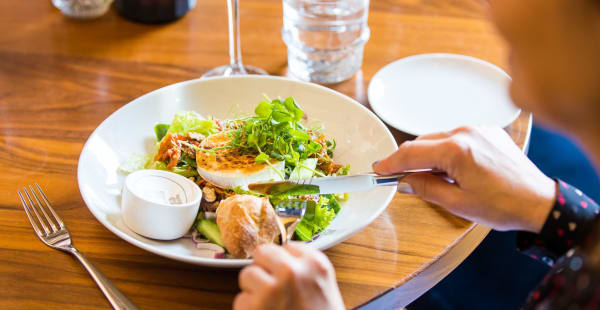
153, 11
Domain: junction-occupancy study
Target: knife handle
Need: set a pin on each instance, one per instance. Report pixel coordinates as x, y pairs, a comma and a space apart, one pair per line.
392, 179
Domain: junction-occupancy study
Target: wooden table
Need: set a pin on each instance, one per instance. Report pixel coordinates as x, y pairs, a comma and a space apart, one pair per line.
59, 78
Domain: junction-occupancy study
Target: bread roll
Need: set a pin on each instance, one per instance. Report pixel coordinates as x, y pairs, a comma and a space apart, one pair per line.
246, 222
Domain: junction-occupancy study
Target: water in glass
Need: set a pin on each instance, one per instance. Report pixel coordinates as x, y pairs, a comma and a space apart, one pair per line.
325, 38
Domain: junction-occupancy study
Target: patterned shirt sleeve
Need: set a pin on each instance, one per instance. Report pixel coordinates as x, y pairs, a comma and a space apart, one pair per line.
567, 225
572, 283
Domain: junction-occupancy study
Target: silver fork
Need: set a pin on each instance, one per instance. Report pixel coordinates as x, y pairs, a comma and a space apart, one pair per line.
55, 234
290, 213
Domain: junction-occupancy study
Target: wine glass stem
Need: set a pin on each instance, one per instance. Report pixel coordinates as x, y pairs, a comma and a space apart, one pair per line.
235, 50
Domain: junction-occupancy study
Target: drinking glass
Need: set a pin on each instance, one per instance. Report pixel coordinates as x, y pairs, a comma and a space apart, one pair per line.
325, 38
235, 66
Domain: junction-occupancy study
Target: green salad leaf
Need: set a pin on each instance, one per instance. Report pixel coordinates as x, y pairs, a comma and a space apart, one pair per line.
134, 163
344, 170
184, 122
183, 170
332, 203
161, 131
315, 221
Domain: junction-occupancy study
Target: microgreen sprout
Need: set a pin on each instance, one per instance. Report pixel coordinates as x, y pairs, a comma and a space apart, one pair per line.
275, 132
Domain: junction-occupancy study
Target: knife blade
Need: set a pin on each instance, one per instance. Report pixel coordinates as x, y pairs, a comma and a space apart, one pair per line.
333, 184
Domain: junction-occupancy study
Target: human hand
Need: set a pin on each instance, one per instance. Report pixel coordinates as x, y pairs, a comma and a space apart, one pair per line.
294, 276
495, 183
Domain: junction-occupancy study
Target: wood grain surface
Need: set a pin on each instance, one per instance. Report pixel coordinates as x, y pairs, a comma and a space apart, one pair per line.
59, 78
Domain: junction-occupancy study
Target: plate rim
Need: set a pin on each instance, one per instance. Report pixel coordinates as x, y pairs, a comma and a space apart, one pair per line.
381, 114
212, 262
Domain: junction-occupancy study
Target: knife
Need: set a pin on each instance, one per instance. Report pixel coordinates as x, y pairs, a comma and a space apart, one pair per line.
334, 185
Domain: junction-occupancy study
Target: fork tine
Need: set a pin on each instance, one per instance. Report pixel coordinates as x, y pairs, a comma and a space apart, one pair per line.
27, 207
33, 207
39, 205
56, 217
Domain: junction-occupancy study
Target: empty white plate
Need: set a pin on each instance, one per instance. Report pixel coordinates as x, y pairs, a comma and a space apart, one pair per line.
438, 92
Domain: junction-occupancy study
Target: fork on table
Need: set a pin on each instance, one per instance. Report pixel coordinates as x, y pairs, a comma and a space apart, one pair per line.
51, 230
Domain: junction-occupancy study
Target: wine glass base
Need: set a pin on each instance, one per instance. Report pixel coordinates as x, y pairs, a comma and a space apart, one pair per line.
228, 70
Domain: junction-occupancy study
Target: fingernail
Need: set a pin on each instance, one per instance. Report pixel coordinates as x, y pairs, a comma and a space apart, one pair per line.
375, 163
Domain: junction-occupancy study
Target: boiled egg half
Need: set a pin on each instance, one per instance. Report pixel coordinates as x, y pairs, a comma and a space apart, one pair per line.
228, 168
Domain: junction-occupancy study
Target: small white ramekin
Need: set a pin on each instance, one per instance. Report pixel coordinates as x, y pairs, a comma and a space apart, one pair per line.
159, 204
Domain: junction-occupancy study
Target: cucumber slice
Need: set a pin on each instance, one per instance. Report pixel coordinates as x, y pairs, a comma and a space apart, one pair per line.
210, 230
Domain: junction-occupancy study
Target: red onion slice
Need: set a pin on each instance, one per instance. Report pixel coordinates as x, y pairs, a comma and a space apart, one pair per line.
210, 247
220, 255
210, 250
197, 240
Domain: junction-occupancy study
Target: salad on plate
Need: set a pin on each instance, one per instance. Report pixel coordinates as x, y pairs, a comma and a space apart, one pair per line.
223, 156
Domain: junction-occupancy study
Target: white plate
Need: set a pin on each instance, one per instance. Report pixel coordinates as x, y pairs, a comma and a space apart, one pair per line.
361, 138
439, 92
